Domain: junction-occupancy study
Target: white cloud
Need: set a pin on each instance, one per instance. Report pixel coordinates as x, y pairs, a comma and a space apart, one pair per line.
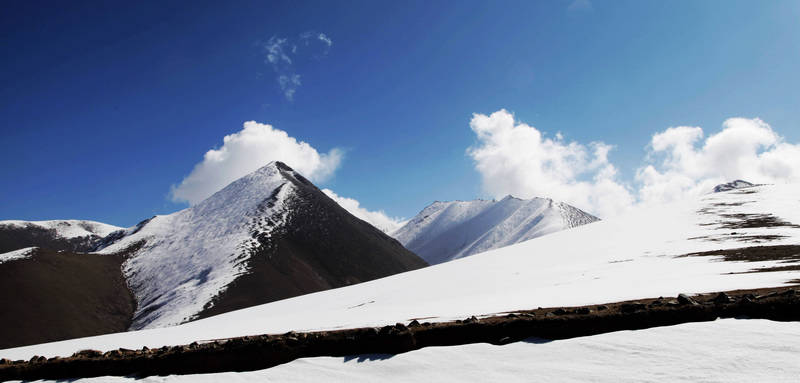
247, 150
682, 163
289, 85
515, 158
275, 54
310, 37
325, 39
282, 52
379, 219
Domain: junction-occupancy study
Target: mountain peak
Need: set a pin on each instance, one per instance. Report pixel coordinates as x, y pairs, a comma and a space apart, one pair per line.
737, 184
445, 231
69, 235
268, 235
510, 197
280, 165
256, 186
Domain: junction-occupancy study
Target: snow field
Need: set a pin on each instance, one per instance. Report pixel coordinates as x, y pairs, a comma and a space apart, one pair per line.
625, 258
726, 350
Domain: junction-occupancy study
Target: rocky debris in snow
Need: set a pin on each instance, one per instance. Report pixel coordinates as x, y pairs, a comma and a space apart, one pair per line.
263, 351
560, 311
722, 298
686, 300
87, 354
632, 307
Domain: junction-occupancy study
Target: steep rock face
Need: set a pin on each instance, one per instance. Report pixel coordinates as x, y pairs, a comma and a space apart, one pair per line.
67, 235
268, 235
445, 231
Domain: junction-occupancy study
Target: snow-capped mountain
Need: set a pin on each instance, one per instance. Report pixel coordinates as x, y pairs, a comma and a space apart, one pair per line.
444, 231
738, 184
13, 255
267, 236
67, 235
702, 245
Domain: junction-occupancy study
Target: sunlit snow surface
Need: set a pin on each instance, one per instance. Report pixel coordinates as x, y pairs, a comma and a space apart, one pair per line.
444, 231
628, 257
67, 228
17, 254
190, 256
728, 350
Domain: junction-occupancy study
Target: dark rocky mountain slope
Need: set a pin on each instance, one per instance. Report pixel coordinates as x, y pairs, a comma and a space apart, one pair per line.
269, 235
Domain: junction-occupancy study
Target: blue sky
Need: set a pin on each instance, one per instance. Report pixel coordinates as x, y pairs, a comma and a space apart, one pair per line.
107, 105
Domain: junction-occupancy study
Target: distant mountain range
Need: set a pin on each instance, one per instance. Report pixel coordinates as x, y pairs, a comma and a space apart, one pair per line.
740, 239
67, 235
267, 236
444, 231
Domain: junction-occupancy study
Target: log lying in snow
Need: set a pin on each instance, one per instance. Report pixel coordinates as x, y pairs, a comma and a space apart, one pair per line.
264, 351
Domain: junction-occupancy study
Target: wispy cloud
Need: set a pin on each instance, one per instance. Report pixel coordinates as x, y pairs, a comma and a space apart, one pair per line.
325, 39
289, 85
282, 53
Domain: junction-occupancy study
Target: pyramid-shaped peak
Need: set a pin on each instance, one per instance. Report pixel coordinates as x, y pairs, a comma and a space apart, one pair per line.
272, 167
259, 183
248, 228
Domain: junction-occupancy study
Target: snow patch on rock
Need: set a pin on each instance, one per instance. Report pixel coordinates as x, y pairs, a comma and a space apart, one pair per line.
67, 228
187, 258
738, 184
17, 254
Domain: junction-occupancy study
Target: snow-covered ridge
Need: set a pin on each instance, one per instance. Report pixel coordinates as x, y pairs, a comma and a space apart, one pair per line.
445, 231
627, 257
738, 184
720, 351
67, 228
188, 257
17, 254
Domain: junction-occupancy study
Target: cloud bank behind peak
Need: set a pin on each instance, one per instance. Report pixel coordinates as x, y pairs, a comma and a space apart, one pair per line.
515, 158
247, 150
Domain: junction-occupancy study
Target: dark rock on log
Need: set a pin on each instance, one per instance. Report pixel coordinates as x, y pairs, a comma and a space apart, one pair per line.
722, 298
632, 307
686, 300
